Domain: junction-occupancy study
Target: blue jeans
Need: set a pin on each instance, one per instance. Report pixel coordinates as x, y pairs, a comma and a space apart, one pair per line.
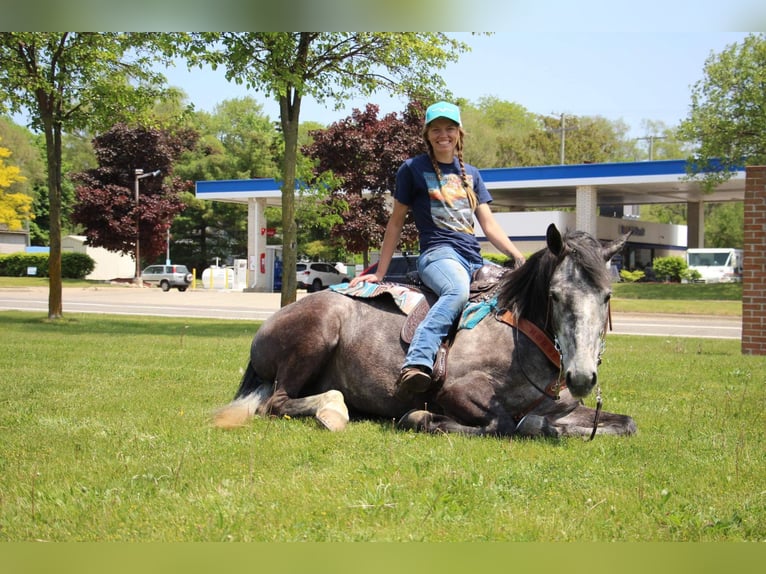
449, 276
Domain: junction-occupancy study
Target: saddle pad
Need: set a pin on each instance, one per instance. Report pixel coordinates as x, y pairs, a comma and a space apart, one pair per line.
405, 297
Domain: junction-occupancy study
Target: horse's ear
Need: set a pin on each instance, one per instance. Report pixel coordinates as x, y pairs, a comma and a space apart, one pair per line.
553, 239
610, 249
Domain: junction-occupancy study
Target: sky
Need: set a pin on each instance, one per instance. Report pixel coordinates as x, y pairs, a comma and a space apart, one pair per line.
617, 59
631, 76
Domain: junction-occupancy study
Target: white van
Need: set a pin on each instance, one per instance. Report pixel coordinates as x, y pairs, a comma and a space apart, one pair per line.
716, 264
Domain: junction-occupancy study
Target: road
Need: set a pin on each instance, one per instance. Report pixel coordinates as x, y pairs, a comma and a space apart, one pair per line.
213, 304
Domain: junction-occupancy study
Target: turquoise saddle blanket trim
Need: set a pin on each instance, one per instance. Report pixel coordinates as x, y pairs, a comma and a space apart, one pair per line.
404, 297
473, 313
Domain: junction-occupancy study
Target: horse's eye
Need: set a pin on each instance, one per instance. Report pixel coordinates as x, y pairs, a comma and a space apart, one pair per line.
555, 296
607, 297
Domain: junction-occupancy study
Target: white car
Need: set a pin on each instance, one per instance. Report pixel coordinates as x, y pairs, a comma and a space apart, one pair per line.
316, 275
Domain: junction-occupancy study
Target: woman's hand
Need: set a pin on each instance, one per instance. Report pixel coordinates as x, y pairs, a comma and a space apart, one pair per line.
369, 278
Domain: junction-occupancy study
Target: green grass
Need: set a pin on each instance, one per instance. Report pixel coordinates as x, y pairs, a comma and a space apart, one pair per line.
10, 282
724, 299
679, 291
105, 437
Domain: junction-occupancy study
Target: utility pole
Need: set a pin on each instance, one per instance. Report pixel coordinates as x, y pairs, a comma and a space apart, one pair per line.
562, 151
651, 139
562, 130
138, 174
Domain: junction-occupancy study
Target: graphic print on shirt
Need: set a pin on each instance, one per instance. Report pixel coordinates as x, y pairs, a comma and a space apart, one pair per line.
450, 208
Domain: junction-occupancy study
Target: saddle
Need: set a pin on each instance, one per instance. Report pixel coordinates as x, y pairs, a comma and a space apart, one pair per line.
483, 282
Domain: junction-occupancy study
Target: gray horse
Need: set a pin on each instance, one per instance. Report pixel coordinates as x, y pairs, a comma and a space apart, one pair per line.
531, 352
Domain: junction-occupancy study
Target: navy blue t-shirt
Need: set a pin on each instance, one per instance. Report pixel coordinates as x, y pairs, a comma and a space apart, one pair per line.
443, 215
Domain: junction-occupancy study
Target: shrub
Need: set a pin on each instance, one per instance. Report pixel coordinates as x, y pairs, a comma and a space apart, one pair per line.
76, 265
631, 276
692, 275
18, 264
671, 269
73, 265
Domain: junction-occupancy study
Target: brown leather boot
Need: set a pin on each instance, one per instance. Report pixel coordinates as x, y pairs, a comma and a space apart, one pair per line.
414, 380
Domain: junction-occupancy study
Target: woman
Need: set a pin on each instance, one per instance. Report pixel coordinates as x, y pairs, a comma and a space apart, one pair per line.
444, 194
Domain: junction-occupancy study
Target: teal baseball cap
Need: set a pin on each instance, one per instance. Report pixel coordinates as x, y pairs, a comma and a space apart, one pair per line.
443, 110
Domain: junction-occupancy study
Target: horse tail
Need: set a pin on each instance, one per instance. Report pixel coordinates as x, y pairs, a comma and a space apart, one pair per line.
252, 393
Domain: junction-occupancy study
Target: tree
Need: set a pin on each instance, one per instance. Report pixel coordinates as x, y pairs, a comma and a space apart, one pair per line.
67, 81
237, 141
15, 208
727, 119
326, 66
106, 204
364, 153
725, 224
248, 137
27, 155
661, 142
586, 139
494, 125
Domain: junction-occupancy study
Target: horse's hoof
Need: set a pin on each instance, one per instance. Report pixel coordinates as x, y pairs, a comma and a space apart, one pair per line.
414, 420
332, 419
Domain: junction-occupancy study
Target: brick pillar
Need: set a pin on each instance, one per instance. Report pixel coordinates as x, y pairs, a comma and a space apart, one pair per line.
586, 205
754, 263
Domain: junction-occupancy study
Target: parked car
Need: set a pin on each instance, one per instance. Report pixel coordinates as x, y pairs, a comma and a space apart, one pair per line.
402, 269
167, 276
316, 275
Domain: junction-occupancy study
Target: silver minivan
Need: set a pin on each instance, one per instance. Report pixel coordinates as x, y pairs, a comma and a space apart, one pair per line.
167, 276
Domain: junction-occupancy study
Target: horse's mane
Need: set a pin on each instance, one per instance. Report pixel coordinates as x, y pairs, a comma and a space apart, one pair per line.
525, 290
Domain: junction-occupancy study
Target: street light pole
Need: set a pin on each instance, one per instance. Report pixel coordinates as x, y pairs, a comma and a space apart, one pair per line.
139, 174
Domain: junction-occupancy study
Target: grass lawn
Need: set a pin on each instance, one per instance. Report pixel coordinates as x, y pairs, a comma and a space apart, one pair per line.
106, 437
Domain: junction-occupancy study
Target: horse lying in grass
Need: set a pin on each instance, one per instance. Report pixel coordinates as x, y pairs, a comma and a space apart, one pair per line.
520, 369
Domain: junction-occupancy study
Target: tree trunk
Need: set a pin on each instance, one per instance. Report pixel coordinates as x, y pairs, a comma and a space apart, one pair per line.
289, 114
53, 155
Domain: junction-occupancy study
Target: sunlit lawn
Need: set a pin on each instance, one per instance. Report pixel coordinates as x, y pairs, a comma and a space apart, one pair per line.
106, 438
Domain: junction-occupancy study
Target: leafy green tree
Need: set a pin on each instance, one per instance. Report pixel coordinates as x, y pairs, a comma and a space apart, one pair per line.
725, 224
661, 142
27, 155
67, 81
237, 141
674, 213
586, 139
325, 66
727, 121
492, 127
248, 137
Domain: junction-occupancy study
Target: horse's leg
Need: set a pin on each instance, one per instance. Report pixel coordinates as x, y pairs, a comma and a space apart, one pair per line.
426, 421
580, 421
328, 408
470, 406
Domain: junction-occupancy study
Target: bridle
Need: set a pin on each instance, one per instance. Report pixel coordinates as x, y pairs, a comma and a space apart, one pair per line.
552, 350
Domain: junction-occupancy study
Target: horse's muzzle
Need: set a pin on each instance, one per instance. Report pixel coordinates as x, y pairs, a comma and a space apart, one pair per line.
581, 383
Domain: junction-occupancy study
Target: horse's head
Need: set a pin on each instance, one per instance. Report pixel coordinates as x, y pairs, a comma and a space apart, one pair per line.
578, 303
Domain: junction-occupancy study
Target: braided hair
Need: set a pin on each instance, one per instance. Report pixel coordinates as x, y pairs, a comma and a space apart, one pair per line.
470, 194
